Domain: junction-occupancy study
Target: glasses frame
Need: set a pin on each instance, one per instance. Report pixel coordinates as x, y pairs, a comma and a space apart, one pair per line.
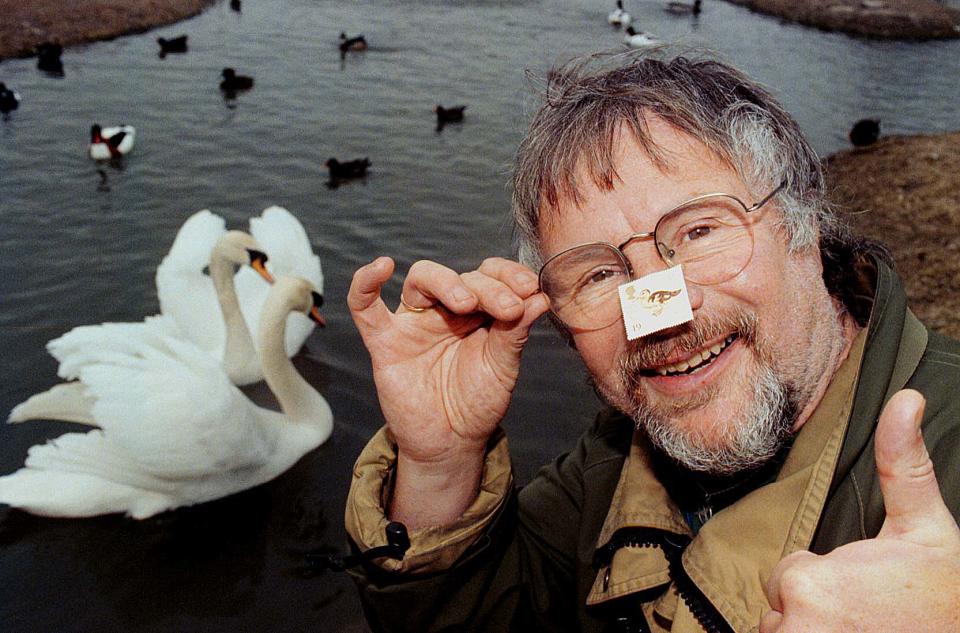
661, 248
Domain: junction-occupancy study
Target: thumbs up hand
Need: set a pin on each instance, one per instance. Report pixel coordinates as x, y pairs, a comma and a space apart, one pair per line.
905, 579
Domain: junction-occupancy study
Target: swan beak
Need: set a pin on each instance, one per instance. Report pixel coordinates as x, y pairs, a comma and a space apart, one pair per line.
259, 266
315, 316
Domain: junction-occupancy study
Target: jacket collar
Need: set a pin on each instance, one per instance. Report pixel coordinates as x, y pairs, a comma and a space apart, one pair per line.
730, 575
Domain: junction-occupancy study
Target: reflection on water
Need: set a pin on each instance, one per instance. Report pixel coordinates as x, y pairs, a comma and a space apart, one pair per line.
81, 242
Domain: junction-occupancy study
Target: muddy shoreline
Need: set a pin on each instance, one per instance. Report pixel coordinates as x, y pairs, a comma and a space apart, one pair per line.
877, 19
905, 192
27, 23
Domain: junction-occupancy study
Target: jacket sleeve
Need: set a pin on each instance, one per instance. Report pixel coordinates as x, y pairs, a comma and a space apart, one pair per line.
512, 568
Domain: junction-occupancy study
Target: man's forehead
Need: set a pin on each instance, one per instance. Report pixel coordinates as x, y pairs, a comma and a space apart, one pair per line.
667, 154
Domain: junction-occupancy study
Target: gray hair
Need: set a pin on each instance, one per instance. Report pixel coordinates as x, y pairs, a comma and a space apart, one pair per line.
584, 106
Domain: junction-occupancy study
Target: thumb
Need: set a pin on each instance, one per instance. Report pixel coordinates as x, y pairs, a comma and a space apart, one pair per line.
911, 495
369, 312
507, 338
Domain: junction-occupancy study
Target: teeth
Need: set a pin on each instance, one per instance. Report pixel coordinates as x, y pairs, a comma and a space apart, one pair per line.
697, 359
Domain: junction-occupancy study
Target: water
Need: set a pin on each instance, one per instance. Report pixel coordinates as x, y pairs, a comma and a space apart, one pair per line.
79, 247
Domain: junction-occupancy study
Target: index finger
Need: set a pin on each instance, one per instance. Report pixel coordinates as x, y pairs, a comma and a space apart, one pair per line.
516, 276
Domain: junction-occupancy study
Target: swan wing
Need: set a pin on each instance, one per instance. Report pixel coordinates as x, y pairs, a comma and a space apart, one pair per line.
80, 475
186, 294
173, 410
89, 343
289, 252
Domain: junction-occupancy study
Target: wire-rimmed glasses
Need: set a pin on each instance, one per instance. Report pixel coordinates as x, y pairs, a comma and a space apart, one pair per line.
710, 235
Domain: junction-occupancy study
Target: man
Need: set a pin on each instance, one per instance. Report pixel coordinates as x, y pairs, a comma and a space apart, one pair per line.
738, 482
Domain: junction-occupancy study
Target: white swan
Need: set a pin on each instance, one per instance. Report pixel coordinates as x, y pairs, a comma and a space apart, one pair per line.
639, 40
69, 401
193, 300
173, 429
619, 17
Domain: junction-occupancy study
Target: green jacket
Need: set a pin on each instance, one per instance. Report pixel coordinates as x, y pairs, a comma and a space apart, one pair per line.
539, 560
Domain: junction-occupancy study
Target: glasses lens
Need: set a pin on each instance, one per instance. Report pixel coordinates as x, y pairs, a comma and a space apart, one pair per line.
712, 238
581, 284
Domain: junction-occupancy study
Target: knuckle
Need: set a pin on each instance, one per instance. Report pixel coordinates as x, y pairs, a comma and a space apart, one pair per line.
492, 262
799, 584
420, 266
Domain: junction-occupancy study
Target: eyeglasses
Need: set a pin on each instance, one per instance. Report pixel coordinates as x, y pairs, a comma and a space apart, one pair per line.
711, 235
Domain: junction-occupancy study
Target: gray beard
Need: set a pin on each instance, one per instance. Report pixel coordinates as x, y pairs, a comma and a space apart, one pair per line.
752, 435
749, 440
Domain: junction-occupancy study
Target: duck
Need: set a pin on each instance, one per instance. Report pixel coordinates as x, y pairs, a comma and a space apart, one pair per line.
9, 99
48, 57
111, 142
684, 8
865, 132
357, 43
232, 82
618, 17
449, 115
218, 311
347, 169
171, 430
173, 45
634, 39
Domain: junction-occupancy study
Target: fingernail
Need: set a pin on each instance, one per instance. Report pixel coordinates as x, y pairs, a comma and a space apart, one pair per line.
460, 294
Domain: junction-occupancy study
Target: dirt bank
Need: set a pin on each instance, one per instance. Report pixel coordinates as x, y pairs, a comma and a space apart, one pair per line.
26, 23
905, 191
883, 19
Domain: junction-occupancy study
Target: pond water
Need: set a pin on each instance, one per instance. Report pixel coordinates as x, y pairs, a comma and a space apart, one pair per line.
81, 242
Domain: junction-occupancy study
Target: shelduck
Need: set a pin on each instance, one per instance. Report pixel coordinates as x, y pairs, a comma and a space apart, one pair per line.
111, 142
634, 39
618, 17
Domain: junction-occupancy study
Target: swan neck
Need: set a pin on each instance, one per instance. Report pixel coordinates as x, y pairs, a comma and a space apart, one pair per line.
296, 397
238, 343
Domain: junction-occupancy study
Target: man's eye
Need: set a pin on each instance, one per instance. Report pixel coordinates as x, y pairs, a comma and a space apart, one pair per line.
698, 232
601, 276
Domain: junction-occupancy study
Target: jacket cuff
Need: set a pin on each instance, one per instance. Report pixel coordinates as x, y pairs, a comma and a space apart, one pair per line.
434, 548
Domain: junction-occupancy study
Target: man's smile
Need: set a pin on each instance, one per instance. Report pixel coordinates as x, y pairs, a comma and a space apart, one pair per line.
693, 362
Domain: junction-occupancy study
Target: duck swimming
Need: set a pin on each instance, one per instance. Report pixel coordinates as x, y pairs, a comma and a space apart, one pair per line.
865, 132
618, 17
634, 39
9, 99
110, 142
347, 169
357, 43
48, 58
232, 82
449, 115
174, 45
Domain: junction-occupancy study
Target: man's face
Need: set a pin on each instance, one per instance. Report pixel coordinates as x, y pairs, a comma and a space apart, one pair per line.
761, 347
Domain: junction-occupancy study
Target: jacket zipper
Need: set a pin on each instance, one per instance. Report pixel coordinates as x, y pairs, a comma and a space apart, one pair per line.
673, 546
702, 609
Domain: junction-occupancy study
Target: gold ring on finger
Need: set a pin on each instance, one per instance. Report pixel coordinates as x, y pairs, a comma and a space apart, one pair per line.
411, 308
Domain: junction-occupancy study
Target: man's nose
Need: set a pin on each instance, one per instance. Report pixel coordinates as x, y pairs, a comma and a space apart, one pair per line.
645, 260
695, 292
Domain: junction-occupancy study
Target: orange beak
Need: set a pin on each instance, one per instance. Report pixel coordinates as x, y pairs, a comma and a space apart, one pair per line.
315, 315
258, 266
